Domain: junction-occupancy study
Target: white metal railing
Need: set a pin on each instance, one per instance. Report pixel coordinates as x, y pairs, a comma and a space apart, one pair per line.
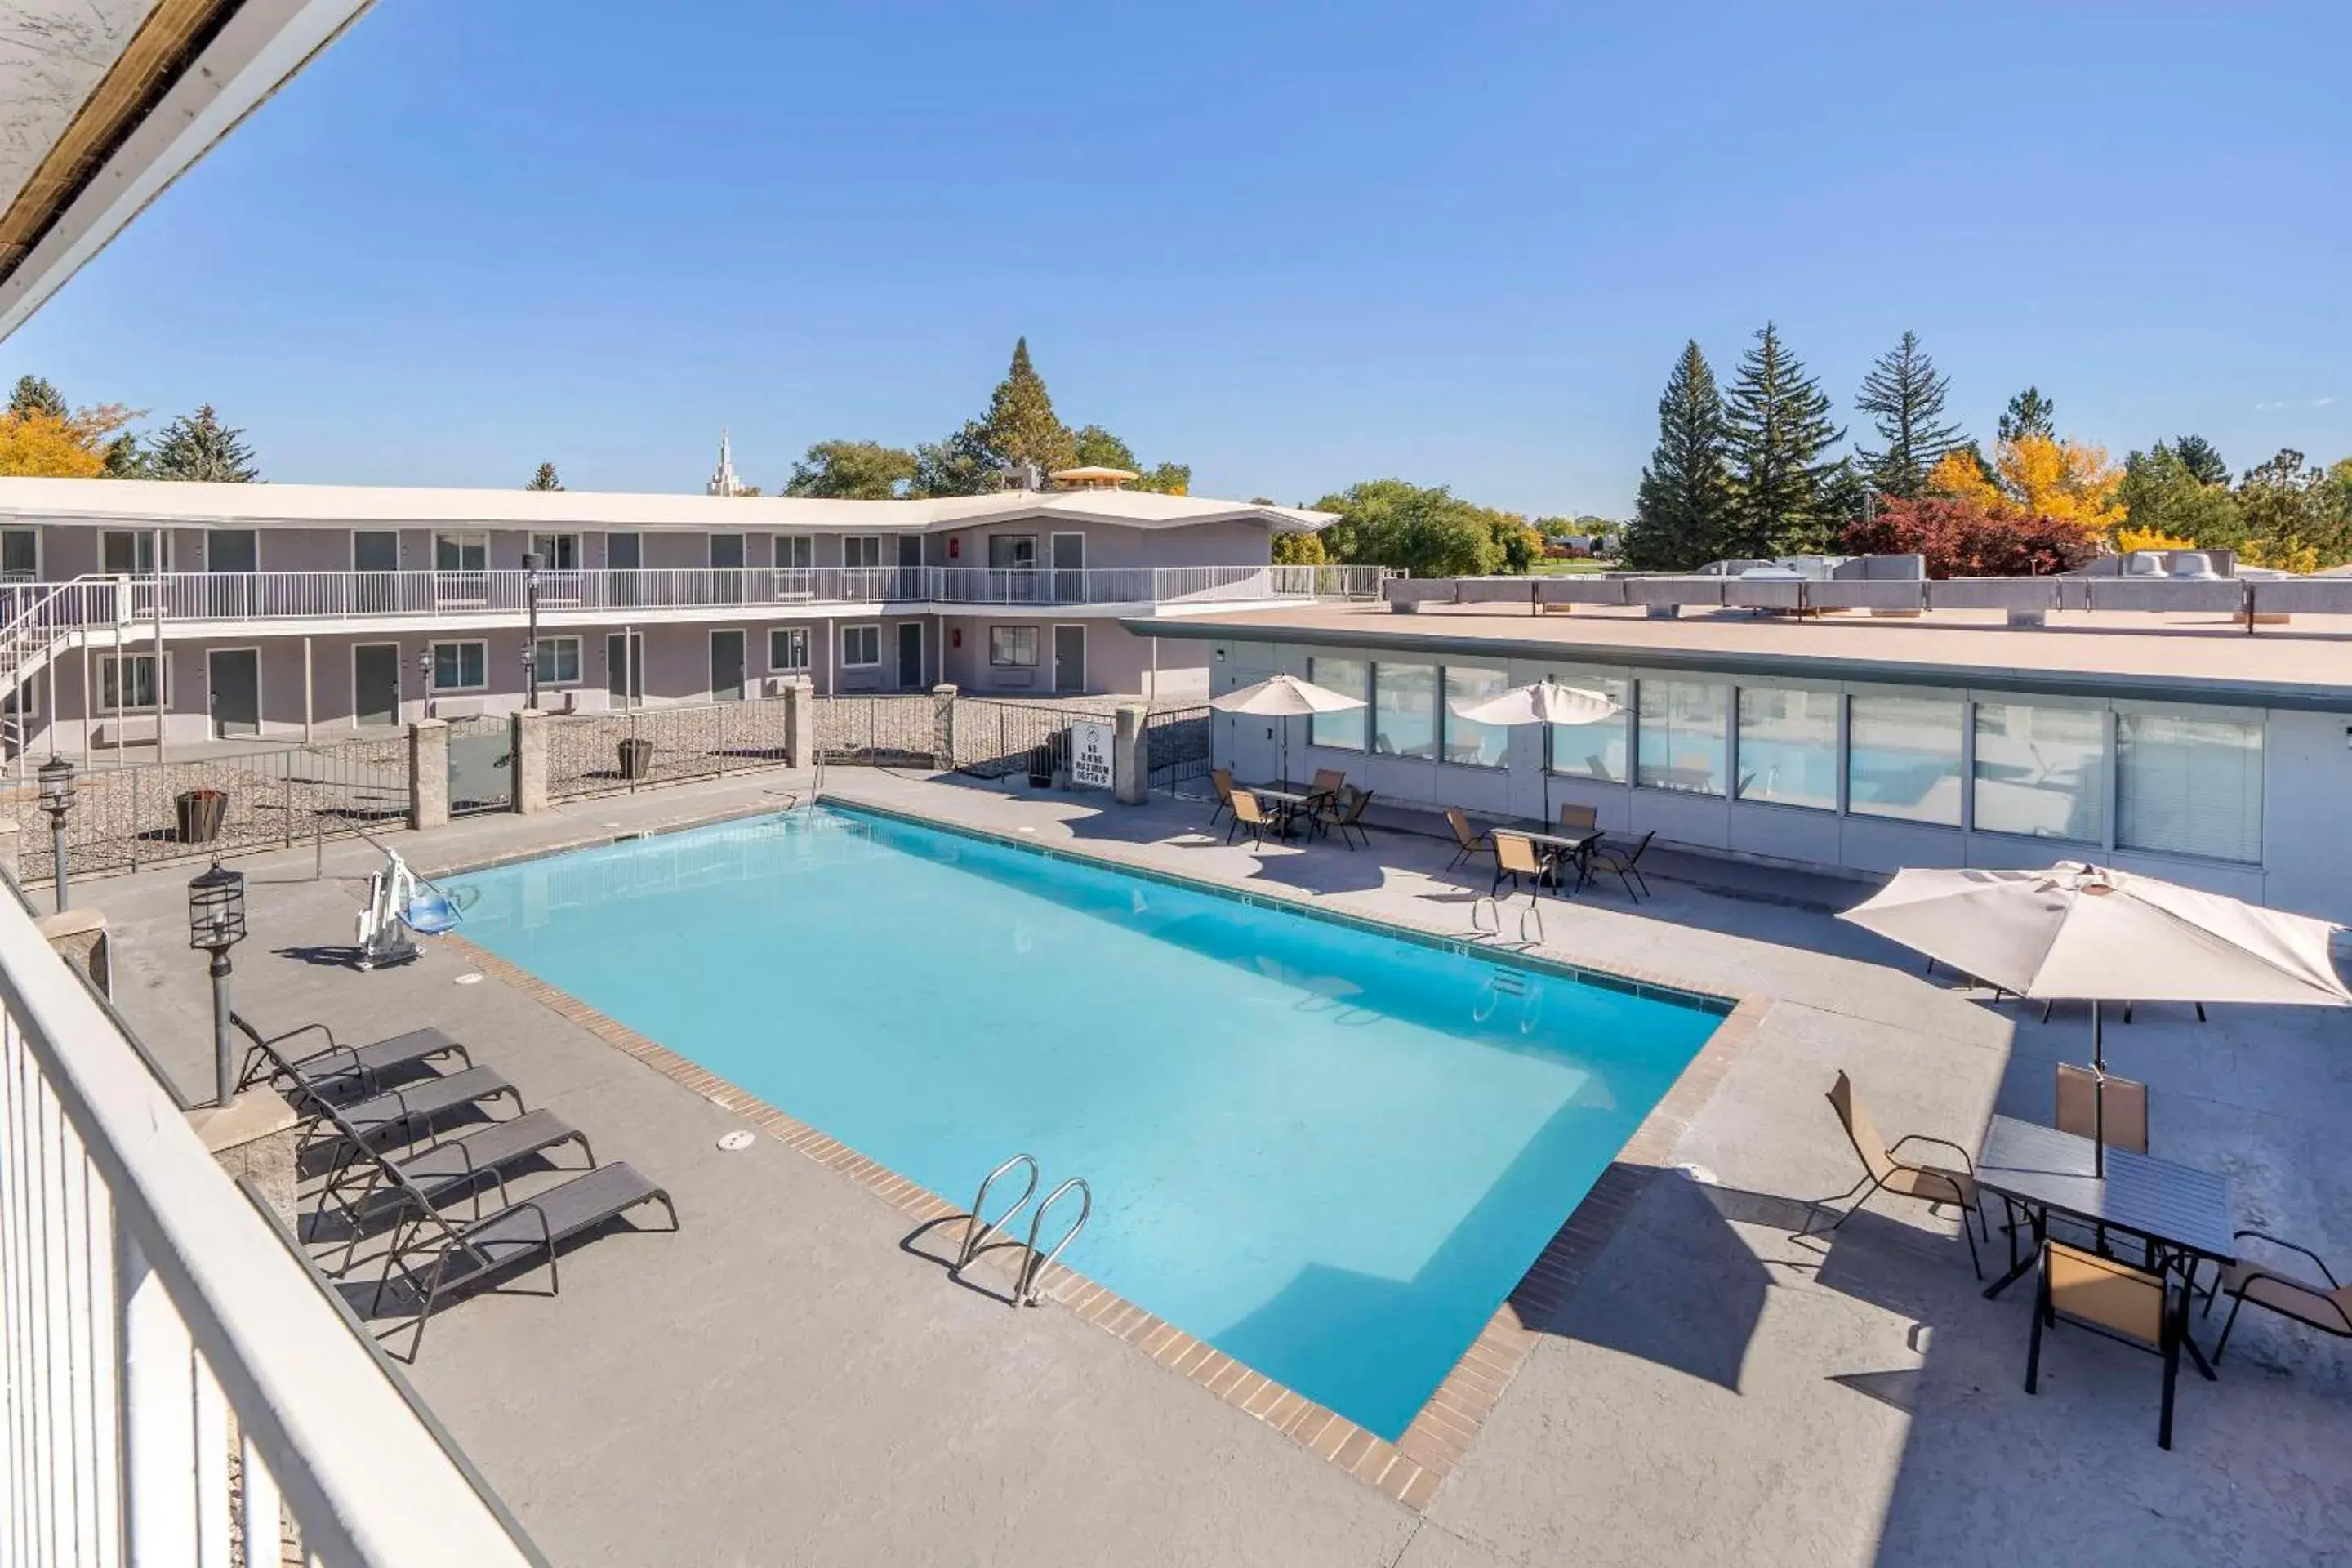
144, 1304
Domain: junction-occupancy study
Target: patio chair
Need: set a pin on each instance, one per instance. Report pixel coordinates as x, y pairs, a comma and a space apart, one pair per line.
364, 1066
2109, 1298
2326, 1308
1468, 842
1222, 780
1516, 858
1577, 818
1883, 1169
2127, 1108
1249, 817
1327, 781
1346, 815
1625, 863
463, 1254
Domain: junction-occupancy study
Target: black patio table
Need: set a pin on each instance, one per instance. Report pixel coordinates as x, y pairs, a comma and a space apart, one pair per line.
1574, 843
1298, 801
2180, 1208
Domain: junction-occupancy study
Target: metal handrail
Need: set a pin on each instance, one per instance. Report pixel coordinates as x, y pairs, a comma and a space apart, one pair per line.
975, 1234
1025, 1292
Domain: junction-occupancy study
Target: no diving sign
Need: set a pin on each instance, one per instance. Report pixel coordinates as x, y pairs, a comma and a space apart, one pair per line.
1090, 756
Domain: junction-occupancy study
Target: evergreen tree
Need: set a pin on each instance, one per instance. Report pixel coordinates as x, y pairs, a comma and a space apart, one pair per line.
959, 466
544, 479
1683, 513
1095, 447
126, 459
199, 447
2202, 459
1778, 421
852, 470
2029, 414
1905, 398
1021, 426
37, 394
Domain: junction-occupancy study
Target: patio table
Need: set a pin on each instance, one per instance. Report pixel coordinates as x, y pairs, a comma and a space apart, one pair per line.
1576, 843
2180, 1208
1296, 800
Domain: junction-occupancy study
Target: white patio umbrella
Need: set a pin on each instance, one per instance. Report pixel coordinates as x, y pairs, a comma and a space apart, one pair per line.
1544, 703
2078, 931
1284, 696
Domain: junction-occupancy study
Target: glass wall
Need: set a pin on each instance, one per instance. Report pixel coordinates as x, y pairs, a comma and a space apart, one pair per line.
1903, 758
2188, 786
2042, 772
1594, 751
1789, 747
1352, 676
1405, 709
1680, 724
1468, 743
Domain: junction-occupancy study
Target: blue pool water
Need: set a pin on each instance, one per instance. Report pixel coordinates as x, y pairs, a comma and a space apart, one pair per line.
1329, 1152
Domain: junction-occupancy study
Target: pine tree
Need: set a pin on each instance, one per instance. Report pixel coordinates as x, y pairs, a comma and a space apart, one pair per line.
199, 447
1779, 425
1021, 426
2029, 414
37, 394
1905, 397
2203, 460
544, 479
1683, 513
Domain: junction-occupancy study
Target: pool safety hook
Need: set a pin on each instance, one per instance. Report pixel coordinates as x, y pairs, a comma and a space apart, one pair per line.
1025, 1292
975, 1233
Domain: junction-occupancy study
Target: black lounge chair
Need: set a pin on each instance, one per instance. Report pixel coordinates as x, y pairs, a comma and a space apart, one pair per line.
365, 1067
445, 1171
413, 1105
1625, 863
462, 1254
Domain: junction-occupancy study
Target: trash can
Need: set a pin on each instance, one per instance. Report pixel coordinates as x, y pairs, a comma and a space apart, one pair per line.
1040, 767
637, 758
200, 812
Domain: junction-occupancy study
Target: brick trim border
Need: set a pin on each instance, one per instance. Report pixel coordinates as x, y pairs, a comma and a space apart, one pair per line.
1410, 1469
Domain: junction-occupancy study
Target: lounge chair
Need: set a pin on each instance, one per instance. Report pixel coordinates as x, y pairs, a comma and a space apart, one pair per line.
1577, 818
2112, 1299
1883, 1168
414, 1105
1221, 780
1249, 817
365, 1066
1468, 842
445, 1171
476, 1250
1625, 863
1516, 858
1346, 815
2327, 1308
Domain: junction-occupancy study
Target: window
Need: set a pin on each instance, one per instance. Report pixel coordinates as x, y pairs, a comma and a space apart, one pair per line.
1405, 709
557, 551
1903, 758
861, 647
1013, 646
20, 554
795, 552
862, 550
1467, 743
461, 552
1678, 736
558, 661
123, 553
2042, 772
375, 550
460, 665
1789, 747
1011, 550
2188, 786
1351, 678
133, 687
232, 549
1593, 751
788, 648
624, 551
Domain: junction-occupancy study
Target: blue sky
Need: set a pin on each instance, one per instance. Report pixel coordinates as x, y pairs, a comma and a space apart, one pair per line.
1295, 245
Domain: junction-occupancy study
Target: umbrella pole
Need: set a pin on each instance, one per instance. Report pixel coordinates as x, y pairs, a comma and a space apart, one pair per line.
2098, 1095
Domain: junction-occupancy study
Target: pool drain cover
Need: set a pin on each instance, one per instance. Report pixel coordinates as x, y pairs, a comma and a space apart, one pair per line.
739, 1139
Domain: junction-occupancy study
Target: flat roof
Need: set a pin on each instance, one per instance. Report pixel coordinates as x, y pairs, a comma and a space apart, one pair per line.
2198, 657
172, 504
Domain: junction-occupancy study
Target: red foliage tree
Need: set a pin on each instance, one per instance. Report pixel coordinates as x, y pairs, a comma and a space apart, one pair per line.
1960, 539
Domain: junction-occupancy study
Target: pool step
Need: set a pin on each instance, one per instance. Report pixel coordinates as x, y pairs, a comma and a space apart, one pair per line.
977, 1230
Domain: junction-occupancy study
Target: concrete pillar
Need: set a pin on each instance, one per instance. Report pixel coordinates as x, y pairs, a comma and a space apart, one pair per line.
799, 722
943, 706
1130, 755
428, 773
78, 936
10, 833
527, 762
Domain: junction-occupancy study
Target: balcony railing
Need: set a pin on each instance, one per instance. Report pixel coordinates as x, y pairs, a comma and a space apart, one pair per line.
144, 1302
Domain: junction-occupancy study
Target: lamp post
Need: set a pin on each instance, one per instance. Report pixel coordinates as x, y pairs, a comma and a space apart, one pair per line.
531, 564
57, 799
425, 678
215, 924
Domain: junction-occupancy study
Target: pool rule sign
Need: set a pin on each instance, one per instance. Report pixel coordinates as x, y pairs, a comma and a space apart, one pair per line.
1090, 756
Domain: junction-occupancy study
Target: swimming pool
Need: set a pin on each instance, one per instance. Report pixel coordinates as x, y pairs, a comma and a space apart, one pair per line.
1328, 1152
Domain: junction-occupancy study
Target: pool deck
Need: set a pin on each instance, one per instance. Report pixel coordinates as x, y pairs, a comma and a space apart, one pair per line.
785, 1381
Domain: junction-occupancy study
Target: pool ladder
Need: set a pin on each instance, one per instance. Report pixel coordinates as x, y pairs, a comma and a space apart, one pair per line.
1481, 929
976, 1231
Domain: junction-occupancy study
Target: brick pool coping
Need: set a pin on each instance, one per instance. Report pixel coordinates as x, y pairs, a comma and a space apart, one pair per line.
1410, 1469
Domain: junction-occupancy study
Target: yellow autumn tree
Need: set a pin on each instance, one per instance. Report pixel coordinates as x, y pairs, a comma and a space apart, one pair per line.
43, 446
2038, 476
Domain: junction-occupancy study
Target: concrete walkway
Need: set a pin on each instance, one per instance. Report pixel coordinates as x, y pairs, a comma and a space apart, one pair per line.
782, 1382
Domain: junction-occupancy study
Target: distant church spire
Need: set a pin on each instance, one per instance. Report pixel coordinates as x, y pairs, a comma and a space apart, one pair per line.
723, 482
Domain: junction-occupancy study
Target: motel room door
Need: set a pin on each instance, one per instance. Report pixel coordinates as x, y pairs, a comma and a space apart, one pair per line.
910, 655
375, 683
234, 678
726, 667
1070, 659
